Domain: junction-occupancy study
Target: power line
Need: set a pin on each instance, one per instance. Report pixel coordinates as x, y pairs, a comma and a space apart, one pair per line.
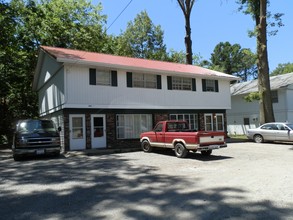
120, 14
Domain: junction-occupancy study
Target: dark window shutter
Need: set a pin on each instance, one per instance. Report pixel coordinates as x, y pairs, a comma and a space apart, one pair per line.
129, 79
193, 84
204, 87
169, 82
114, 78
159, 82
217, 85
92, 76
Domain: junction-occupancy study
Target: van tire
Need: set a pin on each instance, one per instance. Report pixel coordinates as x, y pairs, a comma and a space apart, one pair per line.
180, 150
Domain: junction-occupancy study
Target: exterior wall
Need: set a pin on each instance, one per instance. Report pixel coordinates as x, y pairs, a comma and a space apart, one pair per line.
61, 118
82, 95
241, 109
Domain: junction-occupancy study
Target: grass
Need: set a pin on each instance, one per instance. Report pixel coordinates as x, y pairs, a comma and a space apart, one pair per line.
238, 136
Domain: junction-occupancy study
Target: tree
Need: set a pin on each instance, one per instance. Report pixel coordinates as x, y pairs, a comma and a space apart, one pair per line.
283, 69
258, 10
234, 60
142, 39
26, 26
186, 7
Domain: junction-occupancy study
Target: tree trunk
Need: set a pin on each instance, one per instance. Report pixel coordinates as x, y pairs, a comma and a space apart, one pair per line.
266, 113
186, 7
188, 41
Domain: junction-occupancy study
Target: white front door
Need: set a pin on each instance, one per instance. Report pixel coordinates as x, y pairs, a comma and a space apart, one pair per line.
77, 132
98, 131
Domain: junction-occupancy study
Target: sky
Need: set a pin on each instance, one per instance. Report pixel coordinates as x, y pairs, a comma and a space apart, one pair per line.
212, 22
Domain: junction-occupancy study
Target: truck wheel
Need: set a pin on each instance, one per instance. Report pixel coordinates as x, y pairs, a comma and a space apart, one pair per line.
146, 147
180, 150
206, 152
258, 138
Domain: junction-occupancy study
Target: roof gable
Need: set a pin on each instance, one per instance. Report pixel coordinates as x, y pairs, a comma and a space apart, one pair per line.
112, 61
276, 82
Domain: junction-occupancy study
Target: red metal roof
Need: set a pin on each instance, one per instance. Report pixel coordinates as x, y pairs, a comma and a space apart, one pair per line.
84, 57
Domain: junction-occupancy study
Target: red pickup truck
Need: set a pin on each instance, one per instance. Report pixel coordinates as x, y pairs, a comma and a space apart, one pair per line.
176, 135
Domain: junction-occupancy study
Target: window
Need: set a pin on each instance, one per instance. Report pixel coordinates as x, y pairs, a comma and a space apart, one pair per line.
142, 80
190, 118
208, 120
181, 83
209, 85
275, 96
246, 121
102, 77
129, 126
220, 122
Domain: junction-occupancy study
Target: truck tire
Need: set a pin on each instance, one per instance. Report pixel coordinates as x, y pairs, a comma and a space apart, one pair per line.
206, 152
146, 147
16, 157
180, 150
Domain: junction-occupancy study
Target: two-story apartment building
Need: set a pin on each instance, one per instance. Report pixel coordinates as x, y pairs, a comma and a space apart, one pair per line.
244, 115
106, 101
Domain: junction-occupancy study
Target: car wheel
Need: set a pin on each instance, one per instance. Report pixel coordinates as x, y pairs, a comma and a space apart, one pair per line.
180, 150
206, 152
258, 138
146, 147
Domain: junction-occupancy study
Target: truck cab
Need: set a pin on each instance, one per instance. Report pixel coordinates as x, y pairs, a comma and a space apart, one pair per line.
35, 137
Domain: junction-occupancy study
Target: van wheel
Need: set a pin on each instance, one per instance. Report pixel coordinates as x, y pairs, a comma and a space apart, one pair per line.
16, 157
206, 152
146, 147
180, 150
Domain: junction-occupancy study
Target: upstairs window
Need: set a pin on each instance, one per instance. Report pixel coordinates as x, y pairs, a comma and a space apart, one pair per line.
181, 83
143, 80
102, 77
210, 85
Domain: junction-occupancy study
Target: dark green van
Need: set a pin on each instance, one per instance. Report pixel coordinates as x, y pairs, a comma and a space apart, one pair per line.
35, 137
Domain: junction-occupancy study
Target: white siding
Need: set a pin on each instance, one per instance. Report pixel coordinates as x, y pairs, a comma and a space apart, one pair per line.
51, 91
82, 95
242, 109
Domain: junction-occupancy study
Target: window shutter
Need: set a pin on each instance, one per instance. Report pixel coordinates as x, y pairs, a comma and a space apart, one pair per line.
169, 82
204, 87
193, 84
92, 76
129, 79
159, 82
114, 78
217, 85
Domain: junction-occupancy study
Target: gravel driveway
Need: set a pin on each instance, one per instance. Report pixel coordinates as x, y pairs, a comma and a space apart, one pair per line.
243, 181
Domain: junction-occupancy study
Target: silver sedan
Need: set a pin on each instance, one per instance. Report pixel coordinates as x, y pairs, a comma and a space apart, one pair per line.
276, 131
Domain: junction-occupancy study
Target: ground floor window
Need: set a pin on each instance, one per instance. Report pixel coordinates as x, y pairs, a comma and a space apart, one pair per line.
129, 126
192, 119
214, 122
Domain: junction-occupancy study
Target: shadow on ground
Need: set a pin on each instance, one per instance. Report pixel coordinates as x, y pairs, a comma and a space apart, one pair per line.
112, 187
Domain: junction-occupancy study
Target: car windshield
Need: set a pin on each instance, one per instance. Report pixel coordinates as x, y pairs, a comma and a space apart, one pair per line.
290, 126
36, 126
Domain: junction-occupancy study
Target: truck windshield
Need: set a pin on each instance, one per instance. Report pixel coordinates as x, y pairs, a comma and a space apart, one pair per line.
36, 126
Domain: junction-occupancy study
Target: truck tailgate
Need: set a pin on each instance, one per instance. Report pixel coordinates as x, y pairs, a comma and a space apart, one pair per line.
207, 138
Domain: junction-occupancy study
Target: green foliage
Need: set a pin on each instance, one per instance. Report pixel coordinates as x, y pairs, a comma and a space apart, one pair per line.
252, 7
233, 60
142, 39
26, 26
253, 96
283, 69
